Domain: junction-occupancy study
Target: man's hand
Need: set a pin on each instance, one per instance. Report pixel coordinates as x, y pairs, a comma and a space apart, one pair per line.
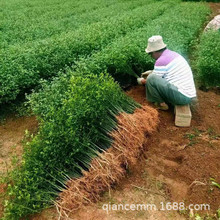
141, 81
146, 74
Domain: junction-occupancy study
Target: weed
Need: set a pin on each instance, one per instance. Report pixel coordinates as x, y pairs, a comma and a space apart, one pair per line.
198, 217
183, 211
192, 138
212, 134
214, 183
159, 185
145, 174
140, 214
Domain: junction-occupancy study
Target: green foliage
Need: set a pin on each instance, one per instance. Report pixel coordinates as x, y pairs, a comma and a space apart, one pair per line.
208, 56
29, 22
218, 213
200, 0
22, 66
77, 110
214, 183
125, 58
73, 129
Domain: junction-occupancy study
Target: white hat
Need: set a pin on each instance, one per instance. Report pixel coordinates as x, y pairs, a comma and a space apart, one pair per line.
155, 43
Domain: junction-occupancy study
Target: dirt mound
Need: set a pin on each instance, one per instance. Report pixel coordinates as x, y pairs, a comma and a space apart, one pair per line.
110, 166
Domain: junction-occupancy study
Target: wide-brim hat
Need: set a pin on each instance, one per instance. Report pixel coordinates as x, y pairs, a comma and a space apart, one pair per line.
155, 43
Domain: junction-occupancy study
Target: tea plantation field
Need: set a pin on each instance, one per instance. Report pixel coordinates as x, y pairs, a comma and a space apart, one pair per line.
72, 58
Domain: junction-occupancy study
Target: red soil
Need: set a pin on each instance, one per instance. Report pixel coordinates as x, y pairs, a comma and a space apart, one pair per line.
186, 158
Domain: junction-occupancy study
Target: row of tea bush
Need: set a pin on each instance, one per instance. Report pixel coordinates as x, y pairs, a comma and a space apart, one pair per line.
208, 59
37, 20
22, 66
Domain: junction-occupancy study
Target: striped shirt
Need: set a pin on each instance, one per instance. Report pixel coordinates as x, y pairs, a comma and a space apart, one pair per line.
175, 69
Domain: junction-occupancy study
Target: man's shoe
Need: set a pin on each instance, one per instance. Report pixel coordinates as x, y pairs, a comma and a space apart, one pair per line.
161, 106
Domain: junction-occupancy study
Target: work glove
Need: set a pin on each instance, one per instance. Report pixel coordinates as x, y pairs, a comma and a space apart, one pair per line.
146, 74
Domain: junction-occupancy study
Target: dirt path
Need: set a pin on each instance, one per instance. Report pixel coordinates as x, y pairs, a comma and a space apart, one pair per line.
11, 135
215, 8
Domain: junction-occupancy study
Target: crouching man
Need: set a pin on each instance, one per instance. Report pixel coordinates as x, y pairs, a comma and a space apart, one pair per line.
171, 81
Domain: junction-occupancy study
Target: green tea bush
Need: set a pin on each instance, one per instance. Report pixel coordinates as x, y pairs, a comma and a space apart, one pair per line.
45, 20
187, 21
72, 130
22, 67
201, 0
207, 59
125, 57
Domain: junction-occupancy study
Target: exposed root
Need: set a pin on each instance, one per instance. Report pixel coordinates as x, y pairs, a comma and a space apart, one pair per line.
110, 166
196, 182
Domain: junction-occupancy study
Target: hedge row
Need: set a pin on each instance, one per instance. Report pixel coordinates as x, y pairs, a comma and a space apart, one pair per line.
208, 59
201, 0
21, 67
125, 58
41, 22
74, 131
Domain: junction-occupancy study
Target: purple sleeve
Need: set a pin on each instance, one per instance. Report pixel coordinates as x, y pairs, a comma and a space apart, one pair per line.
166, 57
